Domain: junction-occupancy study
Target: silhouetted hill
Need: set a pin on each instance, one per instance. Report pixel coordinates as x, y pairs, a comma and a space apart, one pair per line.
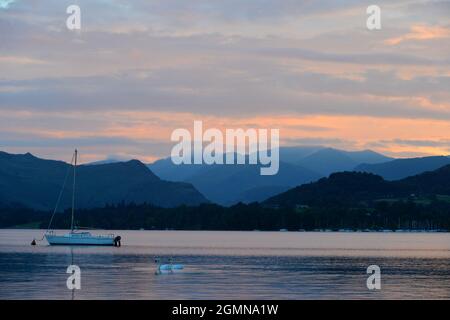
433, 182
228, 184
294, 154
328, 160
297, 154
339, 188
346, 188
367, 156
36, 183
402, 168
167, 170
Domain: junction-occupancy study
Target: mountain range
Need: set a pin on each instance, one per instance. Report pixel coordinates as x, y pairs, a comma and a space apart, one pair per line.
229, 184
33, 182
36, 183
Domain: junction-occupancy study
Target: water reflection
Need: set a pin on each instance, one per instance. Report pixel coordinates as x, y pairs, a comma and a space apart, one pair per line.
227, 272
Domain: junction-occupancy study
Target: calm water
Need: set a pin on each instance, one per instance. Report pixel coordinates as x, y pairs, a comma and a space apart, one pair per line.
230, 265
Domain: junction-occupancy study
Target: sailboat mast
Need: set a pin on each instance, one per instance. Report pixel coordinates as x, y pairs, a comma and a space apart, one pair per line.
73, 189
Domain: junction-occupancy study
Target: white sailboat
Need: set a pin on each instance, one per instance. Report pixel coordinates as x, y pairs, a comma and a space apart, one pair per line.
75, 237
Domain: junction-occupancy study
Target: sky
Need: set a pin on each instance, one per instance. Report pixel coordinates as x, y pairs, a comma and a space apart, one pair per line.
137, 70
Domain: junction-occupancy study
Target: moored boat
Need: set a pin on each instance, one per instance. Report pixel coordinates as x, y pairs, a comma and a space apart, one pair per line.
75, 237
80, 238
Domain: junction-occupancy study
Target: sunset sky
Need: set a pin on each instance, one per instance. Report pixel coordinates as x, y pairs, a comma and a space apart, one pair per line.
139, 69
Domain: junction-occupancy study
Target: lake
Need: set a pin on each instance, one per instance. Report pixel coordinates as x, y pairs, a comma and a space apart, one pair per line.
230, 265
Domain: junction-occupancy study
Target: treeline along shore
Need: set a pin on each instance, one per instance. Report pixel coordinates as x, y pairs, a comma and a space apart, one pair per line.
392, 215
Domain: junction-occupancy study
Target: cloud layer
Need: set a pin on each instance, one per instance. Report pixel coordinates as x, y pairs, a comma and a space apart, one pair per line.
148, 67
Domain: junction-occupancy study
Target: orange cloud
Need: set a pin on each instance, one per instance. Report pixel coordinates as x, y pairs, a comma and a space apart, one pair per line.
421, 32
356, 132
386, 135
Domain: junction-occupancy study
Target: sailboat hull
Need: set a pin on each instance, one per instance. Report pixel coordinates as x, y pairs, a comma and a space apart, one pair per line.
79, 239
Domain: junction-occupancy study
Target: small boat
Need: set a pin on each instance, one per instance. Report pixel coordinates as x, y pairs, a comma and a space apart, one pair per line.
75, 237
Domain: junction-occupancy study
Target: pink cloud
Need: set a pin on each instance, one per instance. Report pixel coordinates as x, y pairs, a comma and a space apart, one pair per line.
421, 32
